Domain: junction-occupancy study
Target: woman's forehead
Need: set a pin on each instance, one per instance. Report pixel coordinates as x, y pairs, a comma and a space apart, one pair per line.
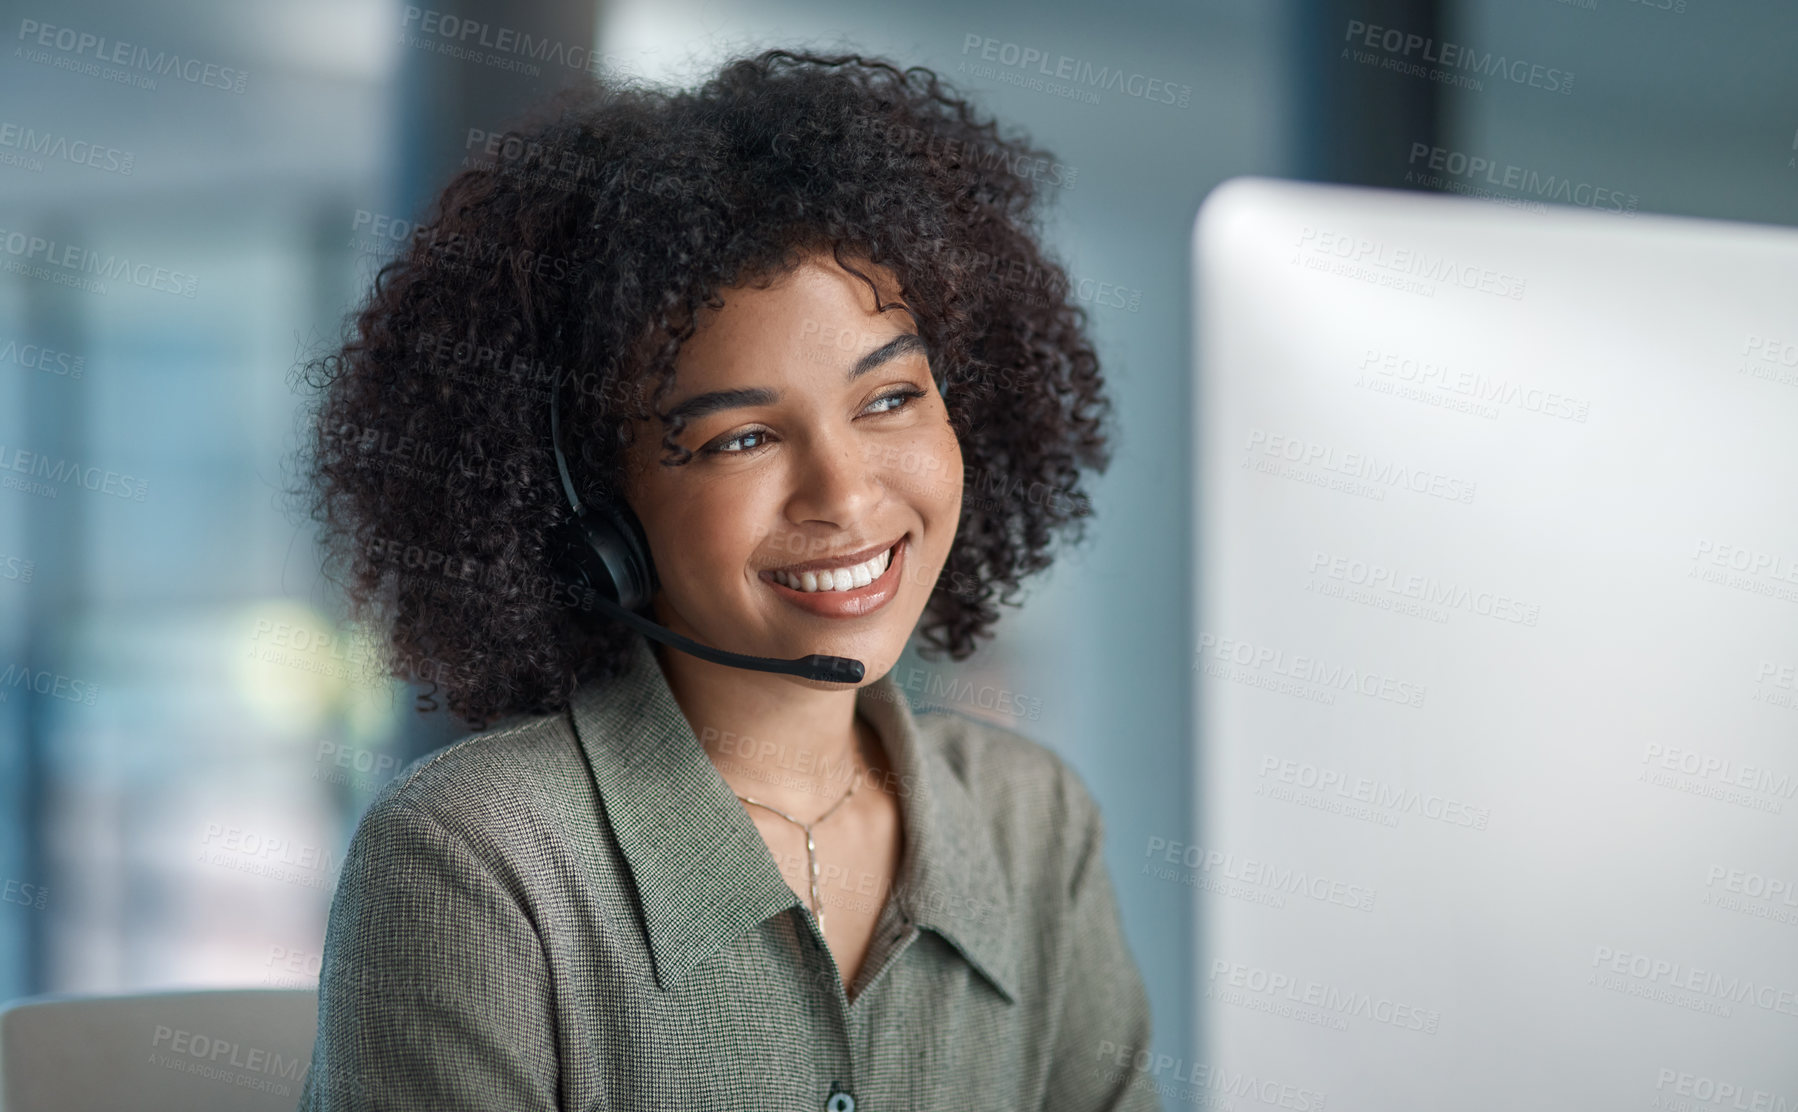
817, 283
816, 315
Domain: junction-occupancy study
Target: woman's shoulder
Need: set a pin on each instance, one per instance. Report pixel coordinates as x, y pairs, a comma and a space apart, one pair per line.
519, 772
1029, 793
976, 745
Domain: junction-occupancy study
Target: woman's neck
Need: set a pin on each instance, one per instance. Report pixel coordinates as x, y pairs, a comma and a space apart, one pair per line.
792, 747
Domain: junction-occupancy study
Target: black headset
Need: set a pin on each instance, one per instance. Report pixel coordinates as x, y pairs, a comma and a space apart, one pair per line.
603, 549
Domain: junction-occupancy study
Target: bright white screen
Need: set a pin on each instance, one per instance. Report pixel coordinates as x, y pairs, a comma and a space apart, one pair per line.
1497, 663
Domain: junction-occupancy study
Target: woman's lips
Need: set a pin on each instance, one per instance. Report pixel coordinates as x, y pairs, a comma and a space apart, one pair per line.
853, 603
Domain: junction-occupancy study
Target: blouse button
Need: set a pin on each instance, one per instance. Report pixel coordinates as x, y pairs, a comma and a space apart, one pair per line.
840, 1102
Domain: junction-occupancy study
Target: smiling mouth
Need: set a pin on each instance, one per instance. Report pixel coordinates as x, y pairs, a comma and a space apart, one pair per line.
848, 577
845, 573
849, 591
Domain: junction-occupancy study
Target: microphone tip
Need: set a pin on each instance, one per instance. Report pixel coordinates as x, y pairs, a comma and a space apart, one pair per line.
835, 669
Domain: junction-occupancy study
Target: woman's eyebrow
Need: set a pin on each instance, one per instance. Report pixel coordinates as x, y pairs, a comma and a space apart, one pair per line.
703, 405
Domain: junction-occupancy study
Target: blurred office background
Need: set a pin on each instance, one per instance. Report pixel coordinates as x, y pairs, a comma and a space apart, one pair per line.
188, 732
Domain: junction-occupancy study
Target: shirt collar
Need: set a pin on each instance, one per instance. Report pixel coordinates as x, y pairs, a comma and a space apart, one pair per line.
704, 874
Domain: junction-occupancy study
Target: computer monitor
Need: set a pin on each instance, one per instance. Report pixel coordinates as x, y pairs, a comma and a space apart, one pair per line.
1496, 660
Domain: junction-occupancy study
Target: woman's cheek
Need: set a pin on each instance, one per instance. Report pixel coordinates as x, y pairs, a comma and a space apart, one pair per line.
950, 472
917, 468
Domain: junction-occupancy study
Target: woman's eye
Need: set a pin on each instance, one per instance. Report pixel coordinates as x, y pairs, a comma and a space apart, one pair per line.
723, 448
899, 399
906, 396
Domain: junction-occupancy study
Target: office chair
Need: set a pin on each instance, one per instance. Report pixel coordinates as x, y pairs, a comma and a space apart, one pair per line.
233, 1050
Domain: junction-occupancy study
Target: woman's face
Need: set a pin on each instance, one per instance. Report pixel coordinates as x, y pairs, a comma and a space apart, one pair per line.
820, 442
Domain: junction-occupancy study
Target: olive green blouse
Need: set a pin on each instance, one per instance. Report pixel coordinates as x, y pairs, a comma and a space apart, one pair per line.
574, 911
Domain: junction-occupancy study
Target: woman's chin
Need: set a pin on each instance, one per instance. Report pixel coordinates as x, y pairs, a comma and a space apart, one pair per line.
876, 656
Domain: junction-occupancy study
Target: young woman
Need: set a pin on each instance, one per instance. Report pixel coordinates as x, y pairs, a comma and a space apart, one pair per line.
798, 338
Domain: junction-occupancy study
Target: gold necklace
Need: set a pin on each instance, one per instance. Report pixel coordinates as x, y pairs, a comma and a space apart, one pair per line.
811, 849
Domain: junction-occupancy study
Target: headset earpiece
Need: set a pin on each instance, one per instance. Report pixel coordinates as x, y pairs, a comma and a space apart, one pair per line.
605, 551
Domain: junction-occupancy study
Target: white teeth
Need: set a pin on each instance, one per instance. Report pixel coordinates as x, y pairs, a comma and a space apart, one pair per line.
837, 579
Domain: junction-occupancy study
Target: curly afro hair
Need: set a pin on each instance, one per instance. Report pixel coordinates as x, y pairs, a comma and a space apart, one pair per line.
575, 253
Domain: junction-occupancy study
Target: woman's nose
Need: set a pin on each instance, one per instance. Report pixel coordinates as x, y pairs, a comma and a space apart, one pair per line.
835, 481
